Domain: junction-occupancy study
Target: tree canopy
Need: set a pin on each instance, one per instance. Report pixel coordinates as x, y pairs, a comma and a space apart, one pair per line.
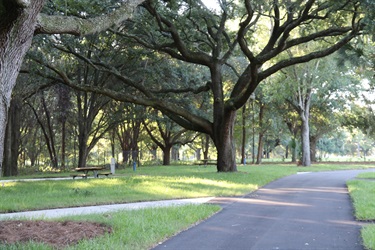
261, 33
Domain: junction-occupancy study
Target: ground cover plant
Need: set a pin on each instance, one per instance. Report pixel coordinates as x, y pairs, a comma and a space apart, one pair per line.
362, 193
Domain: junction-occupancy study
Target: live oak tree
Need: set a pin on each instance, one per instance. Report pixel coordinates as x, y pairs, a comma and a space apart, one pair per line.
20, 20
261, 31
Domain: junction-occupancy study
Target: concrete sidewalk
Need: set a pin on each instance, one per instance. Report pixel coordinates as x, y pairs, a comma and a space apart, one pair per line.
55, 213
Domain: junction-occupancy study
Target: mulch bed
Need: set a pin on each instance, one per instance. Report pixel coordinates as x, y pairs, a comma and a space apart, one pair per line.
56, 234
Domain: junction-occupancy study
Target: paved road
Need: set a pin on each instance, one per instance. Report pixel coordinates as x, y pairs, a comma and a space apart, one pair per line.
304, 211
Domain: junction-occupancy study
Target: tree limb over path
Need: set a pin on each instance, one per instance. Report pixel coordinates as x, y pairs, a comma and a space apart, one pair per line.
77, 26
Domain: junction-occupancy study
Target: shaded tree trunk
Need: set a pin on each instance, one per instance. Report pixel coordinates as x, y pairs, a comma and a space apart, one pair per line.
63, 144
313, 142
286, 152
125, 156
223, 139
12, 139
260, 148
261, 134
166, 155
294, 149
206, 146
63, 109
82, 148
51, 137
243, 146
48, 134
17, 25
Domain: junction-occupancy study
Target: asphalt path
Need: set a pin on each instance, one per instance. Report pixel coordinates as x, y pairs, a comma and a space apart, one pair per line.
303, 211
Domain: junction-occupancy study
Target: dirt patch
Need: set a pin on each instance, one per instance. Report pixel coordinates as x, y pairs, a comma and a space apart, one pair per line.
56, 234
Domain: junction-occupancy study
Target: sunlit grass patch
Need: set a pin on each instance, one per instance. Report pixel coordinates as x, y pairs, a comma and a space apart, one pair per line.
369, 175
362, 194
147, 184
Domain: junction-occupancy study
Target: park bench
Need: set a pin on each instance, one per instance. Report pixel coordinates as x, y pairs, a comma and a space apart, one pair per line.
84, 176
104, 173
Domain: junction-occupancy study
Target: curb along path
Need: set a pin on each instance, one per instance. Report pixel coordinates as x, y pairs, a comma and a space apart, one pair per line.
55, 213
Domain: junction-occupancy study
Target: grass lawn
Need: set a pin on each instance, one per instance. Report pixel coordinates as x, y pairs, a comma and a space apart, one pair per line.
136, 229
146, 184
362, 193
140, 229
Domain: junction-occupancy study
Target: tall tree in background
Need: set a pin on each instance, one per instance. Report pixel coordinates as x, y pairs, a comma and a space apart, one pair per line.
47, 123
313, 90
129, 130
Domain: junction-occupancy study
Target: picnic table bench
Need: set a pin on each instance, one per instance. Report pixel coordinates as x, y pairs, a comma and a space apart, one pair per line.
104, 173
84, 176
206, 162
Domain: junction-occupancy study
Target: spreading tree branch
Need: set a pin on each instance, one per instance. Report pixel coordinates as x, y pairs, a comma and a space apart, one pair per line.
52, 24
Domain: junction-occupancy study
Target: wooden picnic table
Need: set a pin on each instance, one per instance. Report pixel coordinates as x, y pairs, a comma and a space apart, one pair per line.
86, 170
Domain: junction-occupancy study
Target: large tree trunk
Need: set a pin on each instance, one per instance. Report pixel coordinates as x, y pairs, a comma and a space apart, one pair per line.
17, 24
167, 155
226, 152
